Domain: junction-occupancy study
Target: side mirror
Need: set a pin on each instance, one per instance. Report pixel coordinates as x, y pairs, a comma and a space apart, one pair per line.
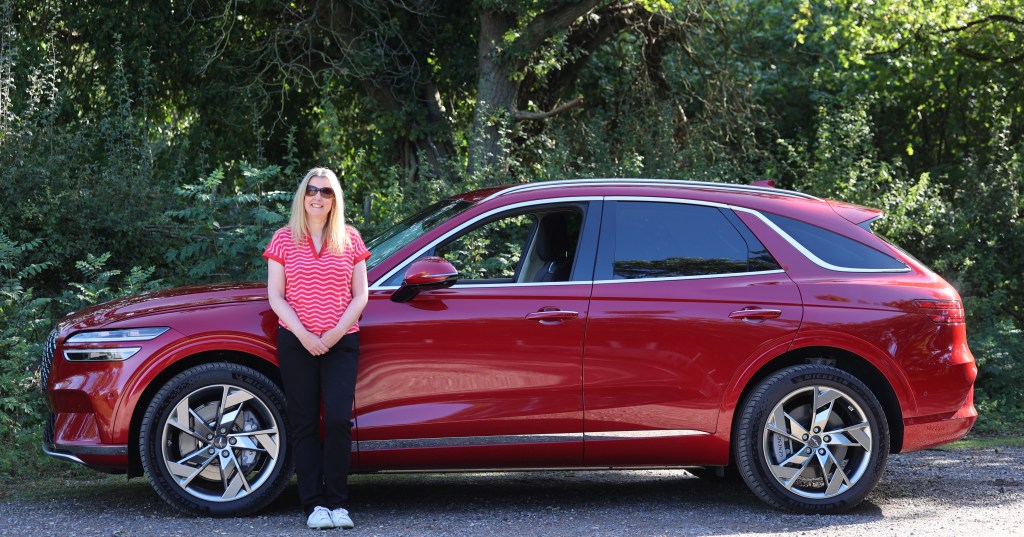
424, 275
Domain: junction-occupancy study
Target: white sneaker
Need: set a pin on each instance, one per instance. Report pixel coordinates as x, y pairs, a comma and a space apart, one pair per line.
320, 519
341, 519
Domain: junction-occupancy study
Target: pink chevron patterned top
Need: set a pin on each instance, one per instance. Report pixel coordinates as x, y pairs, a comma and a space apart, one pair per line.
317, 286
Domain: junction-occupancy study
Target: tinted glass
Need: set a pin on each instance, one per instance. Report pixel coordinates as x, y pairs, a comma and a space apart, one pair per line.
401, 234
758, 257
665, 240
489, 252
834, 248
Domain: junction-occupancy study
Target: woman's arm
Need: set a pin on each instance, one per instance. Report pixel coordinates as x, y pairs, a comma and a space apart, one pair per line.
275, 292
360, 294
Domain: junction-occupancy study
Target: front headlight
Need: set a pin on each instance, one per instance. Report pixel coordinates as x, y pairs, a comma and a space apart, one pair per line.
112, 336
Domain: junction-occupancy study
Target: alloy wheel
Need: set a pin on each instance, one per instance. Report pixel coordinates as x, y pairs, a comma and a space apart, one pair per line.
220, 443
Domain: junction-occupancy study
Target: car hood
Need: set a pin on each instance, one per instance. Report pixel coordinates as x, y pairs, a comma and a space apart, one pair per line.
191, 296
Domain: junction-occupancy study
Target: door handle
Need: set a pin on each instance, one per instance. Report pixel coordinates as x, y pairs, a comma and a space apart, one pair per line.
755, 314
552, 316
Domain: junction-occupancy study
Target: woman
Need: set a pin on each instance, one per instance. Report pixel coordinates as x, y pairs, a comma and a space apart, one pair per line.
317, 287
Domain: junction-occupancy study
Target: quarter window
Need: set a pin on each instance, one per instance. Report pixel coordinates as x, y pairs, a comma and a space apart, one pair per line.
666, 240
834, 248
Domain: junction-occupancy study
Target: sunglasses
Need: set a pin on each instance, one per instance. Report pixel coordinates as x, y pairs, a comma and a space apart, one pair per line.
324, 191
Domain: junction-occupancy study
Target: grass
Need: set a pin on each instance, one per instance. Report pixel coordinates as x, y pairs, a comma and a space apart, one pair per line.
985, 442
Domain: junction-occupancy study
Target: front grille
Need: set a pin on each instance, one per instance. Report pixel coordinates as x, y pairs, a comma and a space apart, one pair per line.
47, 361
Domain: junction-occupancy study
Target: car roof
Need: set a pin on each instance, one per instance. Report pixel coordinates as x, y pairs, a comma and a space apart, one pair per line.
487, 194
763, 198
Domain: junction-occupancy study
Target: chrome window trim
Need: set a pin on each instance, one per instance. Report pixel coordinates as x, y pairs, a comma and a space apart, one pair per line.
785, 236
793, 242
489, 285
651, 182
378, 284
514, 439
815, 259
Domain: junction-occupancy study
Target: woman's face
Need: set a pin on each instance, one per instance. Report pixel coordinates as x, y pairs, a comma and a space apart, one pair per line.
318, 206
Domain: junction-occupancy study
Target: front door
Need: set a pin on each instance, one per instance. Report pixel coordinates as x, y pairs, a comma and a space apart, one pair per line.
490, 369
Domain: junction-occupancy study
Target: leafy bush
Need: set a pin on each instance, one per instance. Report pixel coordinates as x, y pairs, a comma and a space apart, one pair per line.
226, 224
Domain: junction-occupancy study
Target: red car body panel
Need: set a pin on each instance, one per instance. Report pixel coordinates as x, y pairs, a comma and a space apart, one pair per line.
468, 362
639, 358
633, 382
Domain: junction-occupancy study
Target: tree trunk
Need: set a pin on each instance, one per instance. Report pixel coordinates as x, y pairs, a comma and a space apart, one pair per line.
496, 95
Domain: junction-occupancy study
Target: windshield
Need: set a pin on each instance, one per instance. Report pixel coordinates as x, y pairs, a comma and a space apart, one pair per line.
406, 231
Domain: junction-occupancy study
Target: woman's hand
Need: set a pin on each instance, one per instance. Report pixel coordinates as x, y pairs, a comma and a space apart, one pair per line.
313, 344
332, 337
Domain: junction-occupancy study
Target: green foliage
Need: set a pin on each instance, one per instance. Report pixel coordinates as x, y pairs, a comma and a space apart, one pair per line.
25, 322
23, 325
226, 225
127, 141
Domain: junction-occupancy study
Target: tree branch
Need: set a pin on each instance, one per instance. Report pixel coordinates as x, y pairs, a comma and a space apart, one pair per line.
991, 18
562, 17
982, 57
524, 115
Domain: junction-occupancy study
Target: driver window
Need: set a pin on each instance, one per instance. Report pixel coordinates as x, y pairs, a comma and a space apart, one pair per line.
490, 252
535, 247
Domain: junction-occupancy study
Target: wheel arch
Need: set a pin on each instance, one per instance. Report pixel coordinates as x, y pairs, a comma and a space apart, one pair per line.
843, 359
258, 363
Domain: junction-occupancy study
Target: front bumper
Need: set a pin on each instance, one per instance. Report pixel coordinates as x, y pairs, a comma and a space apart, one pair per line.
112, 459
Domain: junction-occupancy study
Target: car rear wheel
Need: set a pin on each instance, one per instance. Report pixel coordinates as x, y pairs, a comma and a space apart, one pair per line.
811, 438
212, 441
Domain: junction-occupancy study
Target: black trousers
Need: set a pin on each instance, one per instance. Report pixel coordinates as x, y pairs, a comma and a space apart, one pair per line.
322, 467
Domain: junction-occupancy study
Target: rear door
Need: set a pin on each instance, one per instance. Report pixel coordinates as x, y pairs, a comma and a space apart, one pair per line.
684, 294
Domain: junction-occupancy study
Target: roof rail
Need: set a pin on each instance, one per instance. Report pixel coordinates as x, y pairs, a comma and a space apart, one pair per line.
525, 187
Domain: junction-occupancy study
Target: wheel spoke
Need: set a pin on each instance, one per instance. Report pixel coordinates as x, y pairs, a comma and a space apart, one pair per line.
838, 479
179, 420
237, 397
784, 424
264, 441
788, 475
823, 401
199, 424
855, 435
234, 400
188, 472
234, 481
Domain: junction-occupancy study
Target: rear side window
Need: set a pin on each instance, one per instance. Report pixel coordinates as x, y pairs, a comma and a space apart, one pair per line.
668, 240
835, 249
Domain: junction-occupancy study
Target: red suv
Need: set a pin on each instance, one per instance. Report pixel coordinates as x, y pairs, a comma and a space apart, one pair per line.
567, 324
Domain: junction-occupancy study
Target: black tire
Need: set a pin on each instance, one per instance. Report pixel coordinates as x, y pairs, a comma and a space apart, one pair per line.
790, 464
214, 463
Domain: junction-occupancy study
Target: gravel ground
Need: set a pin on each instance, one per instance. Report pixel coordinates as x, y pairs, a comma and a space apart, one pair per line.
980, 490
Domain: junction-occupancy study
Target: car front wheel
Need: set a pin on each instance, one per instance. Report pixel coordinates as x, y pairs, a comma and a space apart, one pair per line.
212, 441
811, 438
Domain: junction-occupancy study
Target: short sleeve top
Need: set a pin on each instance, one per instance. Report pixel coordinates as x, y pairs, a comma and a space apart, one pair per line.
318, 286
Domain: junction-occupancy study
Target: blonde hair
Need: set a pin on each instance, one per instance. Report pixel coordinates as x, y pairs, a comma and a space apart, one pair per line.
334, 230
